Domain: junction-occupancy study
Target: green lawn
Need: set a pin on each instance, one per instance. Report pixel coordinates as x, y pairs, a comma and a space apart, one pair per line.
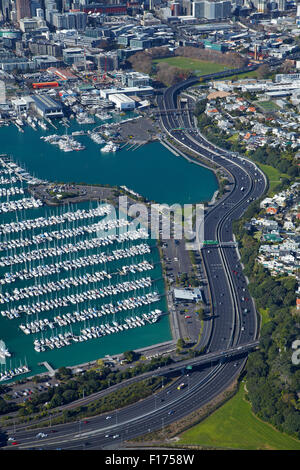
267, 106
264, 313
199, 67
273, 175
234, 138
251, 74
234, 426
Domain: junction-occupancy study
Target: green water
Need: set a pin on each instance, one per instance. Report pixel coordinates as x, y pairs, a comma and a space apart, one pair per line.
151, 171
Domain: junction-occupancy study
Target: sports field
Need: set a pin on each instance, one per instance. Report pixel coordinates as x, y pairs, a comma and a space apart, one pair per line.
199, 67
267, 106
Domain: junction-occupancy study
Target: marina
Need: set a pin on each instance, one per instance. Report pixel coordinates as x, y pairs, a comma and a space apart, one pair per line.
75, 276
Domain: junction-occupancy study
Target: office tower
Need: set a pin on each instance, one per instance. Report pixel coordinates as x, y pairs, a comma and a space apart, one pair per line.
262, 6
34, 5
40, 13
5, 8
282, 5
212, 10
23, 9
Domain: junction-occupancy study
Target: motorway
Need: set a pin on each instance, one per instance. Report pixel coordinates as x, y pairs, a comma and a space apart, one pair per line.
233, 316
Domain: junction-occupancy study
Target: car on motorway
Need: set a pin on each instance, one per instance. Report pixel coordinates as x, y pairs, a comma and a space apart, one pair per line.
108, 417
15, 443
115, 436
106, 435
180, 386
41, 435
171, 412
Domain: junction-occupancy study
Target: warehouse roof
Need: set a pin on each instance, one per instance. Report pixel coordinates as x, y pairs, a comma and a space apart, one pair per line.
45, 102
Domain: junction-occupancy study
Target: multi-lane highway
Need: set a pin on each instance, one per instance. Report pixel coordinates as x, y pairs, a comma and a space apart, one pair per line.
233, 315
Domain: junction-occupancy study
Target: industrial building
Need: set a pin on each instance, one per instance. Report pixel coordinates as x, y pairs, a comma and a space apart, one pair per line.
47, 107
22, 104
188, 295
138, 91
122, 101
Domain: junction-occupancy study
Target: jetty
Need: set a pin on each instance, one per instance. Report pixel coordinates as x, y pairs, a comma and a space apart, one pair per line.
48, 367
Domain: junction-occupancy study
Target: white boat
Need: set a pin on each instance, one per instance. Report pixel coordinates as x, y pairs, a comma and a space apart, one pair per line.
4, 353
110, 147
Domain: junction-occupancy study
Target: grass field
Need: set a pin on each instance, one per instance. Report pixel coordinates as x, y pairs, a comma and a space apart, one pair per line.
199, 67
234, 426
267, 106
273, 175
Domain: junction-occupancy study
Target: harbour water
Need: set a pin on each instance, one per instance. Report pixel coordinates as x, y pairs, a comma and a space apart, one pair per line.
175, 181
151, 170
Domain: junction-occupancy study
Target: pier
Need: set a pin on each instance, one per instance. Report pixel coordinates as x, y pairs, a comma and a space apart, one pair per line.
48, 367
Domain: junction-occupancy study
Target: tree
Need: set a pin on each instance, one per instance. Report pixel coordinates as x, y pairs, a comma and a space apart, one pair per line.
180, 344
263, 71
63, 373
200, 312
292, 423
169, 75
130, 356
141, 62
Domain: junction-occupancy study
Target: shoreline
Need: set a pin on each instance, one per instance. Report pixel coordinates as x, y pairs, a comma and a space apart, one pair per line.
110, 189
179, 153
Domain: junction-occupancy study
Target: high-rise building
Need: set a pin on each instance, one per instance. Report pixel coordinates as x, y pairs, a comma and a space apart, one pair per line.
175, 8
262, 6
23, 9
282, 5
72, 20
50, 7
34, 5
66, 5
212, 9
40, 13
186, 7
5, 9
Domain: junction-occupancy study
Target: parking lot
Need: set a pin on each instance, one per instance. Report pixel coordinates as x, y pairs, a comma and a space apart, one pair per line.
179, 271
